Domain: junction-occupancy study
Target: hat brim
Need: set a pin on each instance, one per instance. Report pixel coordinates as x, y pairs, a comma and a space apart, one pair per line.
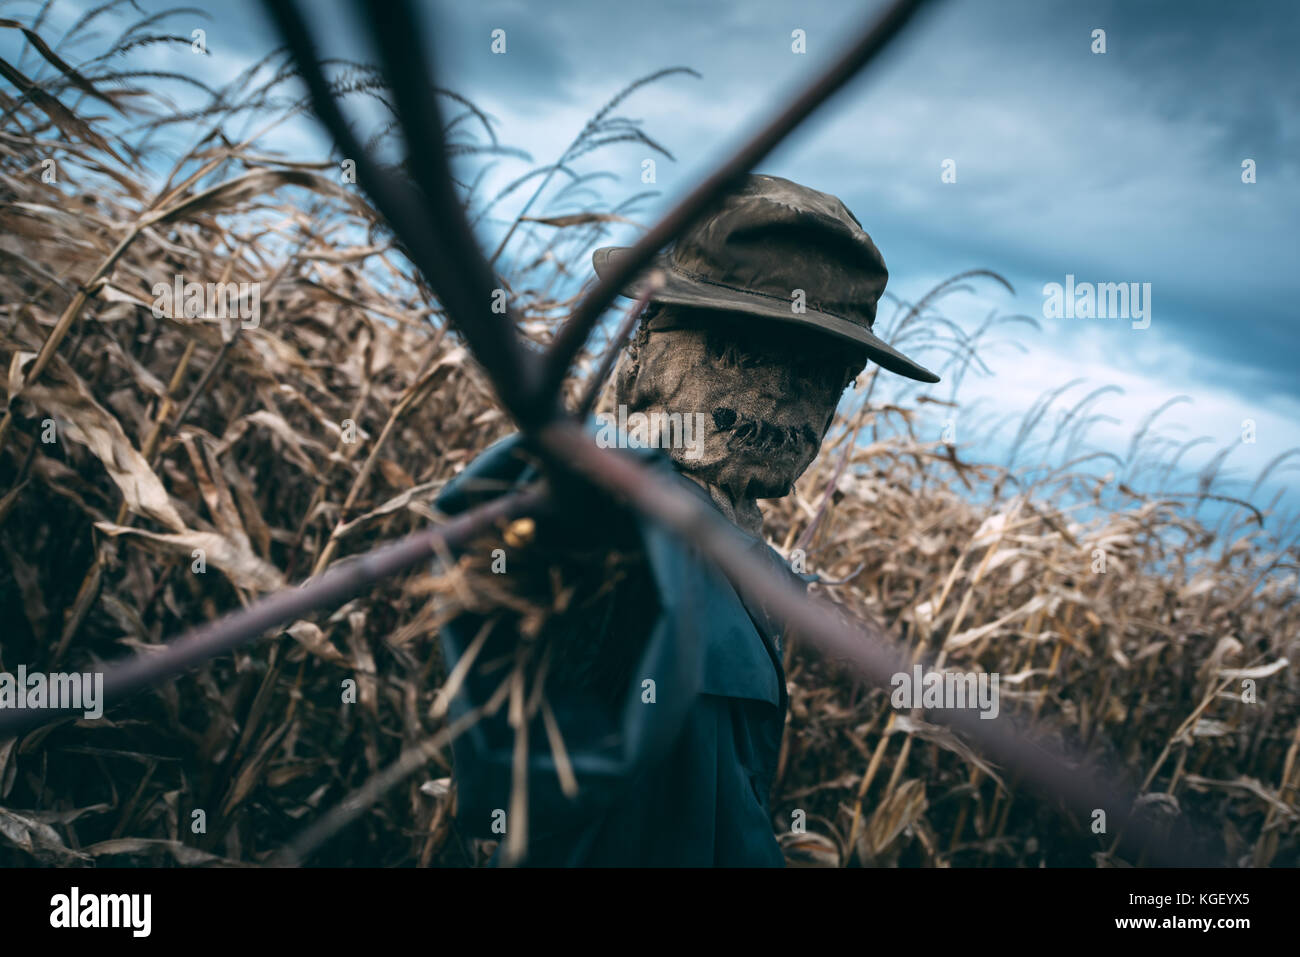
682, 290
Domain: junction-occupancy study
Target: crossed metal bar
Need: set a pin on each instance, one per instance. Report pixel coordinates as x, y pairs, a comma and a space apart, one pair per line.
429, 221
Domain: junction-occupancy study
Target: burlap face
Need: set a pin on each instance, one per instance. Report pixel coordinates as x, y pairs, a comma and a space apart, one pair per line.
766, 392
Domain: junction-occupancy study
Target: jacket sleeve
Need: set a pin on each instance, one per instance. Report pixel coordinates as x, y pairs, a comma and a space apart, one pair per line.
609, 738
703, 656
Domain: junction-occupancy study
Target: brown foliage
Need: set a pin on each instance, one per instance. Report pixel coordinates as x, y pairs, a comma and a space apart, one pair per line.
332, 425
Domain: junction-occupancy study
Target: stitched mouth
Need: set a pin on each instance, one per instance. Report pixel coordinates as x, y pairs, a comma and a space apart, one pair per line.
745, 433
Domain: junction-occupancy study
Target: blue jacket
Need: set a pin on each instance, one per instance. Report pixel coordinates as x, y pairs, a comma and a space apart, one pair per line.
676, 772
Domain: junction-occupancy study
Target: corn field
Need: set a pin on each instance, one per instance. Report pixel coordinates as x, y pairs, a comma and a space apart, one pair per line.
1123, 622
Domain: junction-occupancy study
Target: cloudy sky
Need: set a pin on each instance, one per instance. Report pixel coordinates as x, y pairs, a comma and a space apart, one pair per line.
1122, 166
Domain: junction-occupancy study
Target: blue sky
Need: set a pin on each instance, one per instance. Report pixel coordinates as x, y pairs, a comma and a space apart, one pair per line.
1116, 167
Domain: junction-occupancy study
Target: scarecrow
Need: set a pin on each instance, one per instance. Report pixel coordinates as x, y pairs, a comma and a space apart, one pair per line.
644, 727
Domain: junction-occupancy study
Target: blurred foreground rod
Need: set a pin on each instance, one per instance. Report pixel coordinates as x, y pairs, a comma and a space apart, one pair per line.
430, 223
561, 441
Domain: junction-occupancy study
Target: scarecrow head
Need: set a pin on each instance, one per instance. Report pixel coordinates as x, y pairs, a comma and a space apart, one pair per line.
764, 316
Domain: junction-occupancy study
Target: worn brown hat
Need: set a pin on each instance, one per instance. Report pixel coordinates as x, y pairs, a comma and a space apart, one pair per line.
766, 240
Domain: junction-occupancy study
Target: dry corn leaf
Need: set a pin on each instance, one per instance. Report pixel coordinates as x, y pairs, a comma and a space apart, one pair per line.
310, 637
62, 395
900, 811
38, 839
239, 565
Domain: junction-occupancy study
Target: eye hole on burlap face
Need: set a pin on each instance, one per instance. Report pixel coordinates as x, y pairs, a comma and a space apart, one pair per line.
813, 360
